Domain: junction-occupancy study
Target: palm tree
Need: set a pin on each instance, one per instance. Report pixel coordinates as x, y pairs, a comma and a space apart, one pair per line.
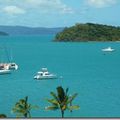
62, 101
22, 108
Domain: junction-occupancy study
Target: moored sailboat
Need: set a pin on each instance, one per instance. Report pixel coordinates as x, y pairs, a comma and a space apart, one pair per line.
9, 65
4, 69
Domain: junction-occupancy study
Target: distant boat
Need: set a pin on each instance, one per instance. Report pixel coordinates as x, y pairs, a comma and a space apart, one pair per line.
4, 69
10, 65
108, 49
44, 74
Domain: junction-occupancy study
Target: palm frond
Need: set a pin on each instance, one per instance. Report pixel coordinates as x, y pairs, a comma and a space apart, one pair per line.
61, 93
26, 99
18, 111
54, 96
23, 108
74, 107
71, 98
67, 91
64, 107
53, 101
35, 107
51, 108
66, 99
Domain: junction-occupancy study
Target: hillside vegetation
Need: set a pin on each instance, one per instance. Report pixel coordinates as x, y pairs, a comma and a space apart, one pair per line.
89, 32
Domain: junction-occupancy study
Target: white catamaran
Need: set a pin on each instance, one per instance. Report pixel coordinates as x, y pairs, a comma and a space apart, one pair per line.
6, 67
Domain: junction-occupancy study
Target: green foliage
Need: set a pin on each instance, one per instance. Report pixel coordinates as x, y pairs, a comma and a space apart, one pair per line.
89, 32
3, 116
62, 101
22, 108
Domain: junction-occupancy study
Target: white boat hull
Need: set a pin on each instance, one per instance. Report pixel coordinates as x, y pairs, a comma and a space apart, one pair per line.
105, 50
2, 72
109, 49
44, 77
9, 66
44, 74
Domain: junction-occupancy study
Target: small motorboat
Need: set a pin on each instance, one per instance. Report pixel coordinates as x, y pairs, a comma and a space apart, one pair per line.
109, 49
44, 74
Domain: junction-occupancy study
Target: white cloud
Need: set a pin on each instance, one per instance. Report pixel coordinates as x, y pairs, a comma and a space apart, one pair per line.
12, 10
37, 6
101, 3
49, 6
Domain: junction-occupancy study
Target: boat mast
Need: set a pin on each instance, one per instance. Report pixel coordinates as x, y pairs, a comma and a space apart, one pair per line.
7, 54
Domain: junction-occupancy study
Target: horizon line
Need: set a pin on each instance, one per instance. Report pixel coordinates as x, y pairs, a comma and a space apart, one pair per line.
58, 26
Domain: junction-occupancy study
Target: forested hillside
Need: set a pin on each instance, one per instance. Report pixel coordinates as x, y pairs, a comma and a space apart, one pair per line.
89, 32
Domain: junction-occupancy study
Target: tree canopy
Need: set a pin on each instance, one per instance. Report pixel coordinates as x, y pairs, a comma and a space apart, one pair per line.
61, 100
89, 32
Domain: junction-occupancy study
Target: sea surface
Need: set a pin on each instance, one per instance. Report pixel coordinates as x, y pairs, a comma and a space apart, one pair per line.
82, 67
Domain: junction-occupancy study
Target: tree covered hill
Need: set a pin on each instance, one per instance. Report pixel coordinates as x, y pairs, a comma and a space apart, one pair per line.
89, 32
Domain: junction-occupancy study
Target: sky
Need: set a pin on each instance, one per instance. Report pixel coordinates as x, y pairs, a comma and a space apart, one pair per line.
59, 13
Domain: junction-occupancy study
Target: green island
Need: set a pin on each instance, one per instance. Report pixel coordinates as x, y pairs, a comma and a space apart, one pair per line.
3, 33
89, 32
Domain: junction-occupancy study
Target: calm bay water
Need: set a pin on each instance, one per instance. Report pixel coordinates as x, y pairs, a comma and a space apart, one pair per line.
84, 68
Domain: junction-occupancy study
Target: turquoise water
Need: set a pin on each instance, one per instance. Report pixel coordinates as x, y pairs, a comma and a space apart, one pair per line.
84, 68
